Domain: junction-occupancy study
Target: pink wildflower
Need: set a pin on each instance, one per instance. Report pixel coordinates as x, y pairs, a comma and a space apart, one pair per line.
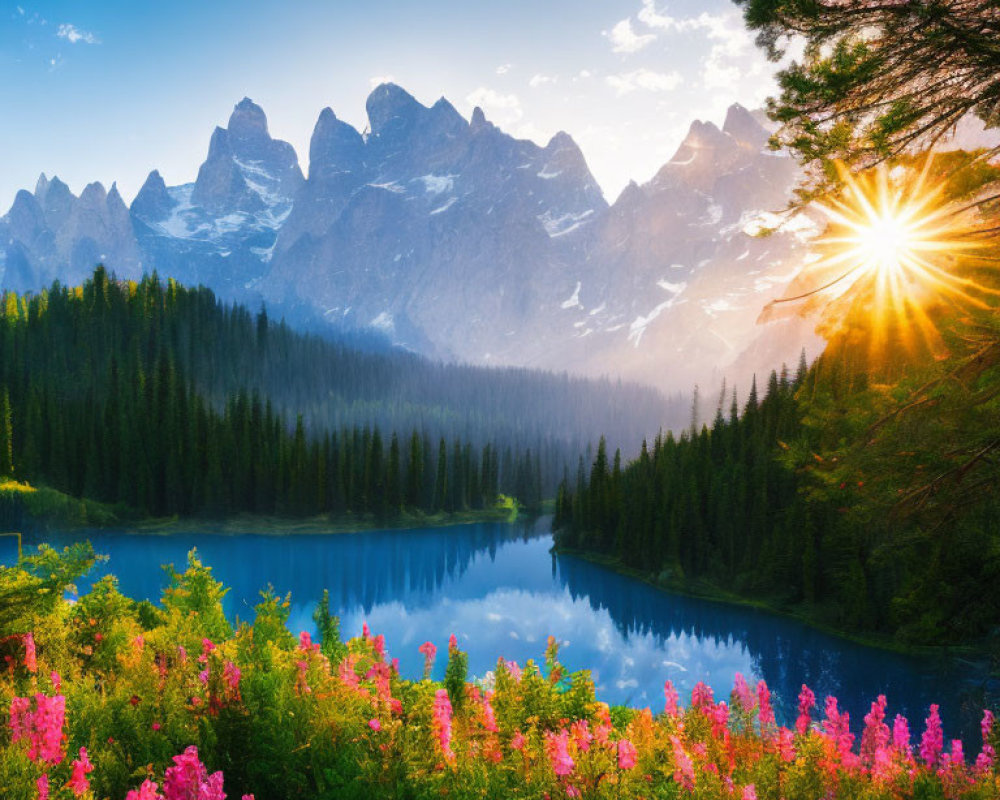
702, 697
489, 718
786, 745
441, 722
81, 768
203, 676
381, 674
838, 729
986, 757
56, 679
932, 742
603, 730
379, 644
765, 714
514, 670
375, 725
671, 697
749, 792
807, 702
741, 692
366, 632
306, 643
452, 642
30, 660
957, 753
626, 754
876, 734
429, 651
901, 736
156, 726
231, 675
580, 731
347, 672
145, 792
46, 736
206, 647
683, 768
43, 787
556, 747
572, 791
517, 741
189, 780
720, 719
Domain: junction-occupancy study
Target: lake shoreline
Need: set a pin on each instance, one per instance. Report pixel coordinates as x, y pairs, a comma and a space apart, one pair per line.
47, 510
701, 590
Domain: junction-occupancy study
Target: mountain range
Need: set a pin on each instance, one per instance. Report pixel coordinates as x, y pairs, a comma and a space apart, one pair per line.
458, 241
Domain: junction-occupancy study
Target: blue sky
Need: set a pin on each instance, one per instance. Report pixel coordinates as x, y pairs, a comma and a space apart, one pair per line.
110, 90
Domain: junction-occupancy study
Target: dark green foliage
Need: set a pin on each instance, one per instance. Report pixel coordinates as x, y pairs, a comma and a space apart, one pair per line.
159, 399
878, 79
708, 505
328, 628
455, 675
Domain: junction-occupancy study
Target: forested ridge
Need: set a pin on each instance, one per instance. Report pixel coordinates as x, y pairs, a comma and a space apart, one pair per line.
165, 401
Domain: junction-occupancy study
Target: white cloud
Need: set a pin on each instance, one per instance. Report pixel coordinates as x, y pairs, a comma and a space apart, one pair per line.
504, 109
72, 34
378, 80
625, 40
541, 80
584, 74
645, 79
503, 69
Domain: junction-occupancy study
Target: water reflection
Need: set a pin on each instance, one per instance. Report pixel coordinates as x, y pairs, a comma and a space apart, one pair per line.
499, 590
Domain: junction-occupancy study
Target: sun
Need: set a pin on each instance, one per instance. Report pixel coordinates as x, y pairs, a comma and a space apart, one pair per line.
892, 249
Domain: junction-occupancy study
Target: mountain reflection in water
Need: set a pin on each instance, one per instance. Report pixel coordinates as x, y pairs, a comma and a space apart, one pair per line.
502, 593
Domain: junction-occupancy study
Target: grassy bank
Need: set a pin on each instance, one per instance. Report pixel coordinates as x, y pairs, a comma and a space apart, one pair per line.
43, 509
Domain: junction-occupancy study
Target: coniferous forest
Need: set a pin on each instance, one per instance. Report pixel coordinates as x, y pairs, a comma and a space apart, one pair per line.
160, 399
860, 491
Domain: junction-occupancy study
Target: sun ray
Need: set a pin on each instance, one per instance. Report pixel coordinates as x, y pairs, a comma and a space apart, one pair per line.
897, 248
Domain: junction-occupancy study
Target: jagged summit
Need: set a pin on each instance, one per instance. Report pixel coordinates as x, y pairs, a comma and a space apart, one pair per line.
246, 170
153, 202
335, 146
744, 127
248, 121
391, 108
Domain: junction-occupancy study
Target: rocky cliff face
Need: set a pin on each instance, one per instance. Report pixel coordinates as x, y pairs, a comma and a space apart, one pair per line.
456, 240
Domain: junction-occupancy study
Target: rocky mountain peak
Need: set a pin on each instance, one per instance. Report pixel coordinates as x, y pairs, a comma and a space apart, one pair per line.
246, 170
41, 187
478, 120
391, 109
58, 202
94, 195
335, 146
153, 203
248, 121
744, 127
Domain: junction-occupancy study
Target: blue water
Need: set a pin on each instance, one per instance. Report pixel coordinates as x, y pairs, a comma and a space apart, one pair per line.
502, 593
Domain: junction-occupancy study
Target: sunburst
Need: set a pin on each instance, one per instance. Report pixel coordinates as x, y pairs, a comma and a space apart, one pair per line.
893, 246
